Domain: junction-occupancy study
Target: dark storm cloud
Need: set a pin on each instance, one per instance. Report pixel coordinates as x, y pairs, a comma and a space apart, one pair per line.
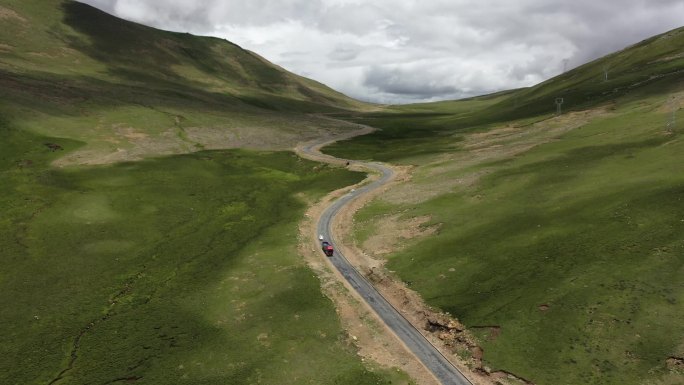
411, 50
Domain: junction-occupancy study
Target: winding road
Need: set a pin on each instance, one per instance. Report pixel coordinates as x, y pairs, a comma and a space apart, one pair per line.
440, 367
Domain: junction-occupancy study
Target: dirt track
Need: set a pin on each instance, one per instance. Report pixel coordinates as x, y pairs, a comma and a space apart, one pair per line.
410, 335
443, 331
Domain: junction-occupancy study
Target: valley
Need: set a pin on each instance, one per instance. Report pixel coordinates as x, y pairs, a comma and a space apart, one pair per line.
161, 193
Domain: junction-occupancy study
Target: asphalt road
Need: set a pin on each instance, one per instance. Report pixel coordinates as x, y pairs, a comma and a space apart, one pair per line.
445, 372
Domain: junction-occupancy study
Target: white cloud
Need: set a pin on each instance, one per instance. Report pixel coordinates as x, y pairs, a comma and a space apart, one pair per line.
410, 50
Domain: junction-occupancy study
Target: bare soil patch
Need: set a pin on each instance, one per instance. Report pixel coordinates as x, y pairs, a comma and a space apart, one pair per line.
118, 142
54, 147
364, 329
129, 132
417, 184
674, 101
443, 331
42, 54
668, 58
448, 172
9, 14
675, 363
393, 231
391, 350
125, 145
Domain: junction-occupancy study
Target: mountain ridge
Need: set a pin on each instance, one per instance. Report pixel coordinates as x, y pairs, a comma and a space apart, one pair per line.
131, 91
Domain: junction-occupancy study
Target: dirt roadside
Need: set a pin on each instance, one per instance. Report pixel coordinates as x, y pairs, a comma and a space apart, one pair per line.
442, 330
374, 340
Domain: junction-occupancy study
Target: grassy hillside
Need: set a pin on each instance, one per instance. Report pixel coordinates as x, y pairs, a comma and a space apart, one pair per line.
127, 90
162, 271
70, 38
559, 239
653, 66
170, 269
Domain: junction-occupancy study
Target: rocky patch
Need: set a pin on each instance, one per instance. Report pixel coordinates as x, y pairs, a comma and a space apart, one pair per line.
675, 363
54, 147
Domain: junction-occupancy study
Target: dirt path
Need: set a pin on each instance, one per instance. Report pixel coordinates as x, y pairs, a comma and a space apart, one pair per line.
442, 330
379, 343
364, 329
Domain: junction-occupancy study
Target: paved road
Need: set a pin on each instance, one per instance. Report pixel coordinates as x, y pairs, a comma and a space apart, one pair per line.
445, 372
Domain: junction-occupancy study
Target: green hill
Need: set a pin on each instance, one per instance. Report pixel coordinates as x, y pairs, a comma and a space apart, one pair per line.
77, 41
556, 240
652, 67
158, 256
128, 90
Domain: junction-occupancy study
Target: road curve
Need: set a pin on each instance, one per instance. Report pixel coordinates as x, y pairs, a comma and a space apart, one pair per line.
440, 367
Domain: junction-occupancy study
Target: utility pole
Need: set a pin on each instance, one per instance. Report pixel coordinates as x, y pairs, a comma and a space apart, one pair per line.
672, 124
565, 65
559, 103
606, 68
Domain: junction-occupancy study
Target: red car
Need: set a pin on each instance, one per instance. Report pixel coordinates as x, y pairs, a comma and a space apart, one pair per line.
327, 249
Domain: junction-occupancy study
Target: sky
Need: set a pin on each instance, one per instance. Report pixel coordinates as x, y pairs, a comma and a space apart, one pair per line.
405, 51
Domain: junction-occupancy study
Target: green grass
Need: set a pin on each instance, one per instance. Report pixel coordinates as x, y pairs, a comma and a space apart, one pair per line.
651, 68
171, 269
410, 131
184, 268
590, 225
72, 71
67, 38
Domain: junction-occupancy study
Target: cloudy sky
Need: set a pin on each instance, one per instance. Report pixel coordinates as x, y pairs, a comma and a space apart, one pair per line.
400, 51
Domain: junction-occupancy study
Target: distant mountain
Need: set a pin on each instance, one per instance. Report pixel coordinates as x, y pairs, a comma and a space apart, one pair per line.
653, 65
67, 38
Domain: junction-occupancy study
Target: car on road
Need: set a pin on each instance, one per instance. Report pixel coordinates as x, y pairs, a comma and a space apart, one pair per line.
327, 248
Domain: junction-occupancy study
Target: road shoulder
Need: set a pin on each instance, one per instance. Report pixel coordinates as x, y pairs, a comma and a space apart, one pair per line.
374, 340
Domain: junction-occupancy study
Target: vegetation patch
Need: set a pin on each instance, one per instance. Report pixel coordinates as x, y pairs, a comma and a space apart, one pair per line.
171, 269
560, 242
130, 91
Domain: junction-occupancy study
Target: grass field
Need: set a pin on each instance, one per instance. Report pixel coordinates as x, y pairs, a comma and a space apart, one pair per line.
184, 268
590, 226
124, 262
162, 271
411, 130
567, 242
